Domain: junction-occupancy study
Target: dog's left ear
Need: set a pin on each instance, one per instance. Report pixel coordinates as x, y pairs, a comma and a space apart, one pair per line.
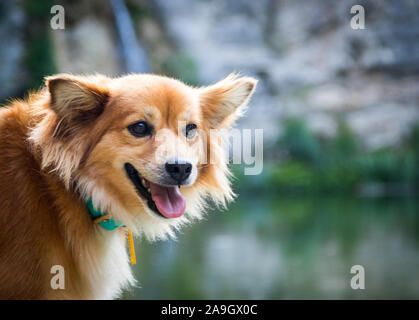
223, 102
75, 99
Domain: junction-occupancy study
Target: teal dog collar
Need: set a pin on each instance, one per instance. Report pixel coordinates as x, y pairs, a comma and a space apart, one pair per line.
107, 223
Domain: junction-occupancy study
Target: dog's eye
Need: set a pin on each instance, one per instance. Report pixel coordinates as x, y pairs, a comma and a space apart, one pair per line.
140, 129
190, 131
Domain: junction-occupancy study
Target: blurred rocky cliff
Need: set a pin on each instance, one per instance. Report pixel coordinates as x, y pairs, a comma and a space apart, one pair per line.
309, 61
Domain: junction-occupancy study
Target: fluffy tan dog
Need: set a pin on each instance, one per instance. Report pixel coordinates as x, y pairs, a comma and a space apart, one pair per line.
136, 148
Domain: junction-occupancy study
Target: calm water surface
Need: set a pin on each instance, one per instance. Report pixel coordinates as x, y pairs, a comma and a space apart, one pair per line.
275, 247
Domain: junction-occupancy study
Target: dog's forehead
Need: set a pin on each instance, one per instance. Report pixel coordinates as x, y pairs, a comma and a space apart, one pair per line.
157, 97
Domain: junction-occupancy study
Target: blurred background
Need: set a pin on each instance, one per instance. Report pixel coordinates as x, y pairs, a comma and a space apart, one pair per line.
340, 113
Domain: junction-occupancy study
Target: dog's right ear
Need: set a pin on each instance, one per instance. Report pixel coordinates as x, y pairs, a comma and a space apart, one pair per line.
76, 100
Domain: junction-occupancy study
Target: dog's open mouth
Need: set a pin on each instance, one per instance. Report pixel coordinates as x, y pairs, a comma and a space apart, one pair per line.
167, 202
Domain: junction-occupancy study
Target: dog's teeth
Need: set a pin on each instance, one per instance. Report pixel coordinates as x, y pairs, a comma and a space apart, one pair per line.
148, 189
143, 182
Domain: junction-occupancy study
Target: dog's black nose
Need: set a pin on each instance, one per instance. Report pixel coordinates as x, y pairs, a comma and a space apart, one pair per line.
179, 171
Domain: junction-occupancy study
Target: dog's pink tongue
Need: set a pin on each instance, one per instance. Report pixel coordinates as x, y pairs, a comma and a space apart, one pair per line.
169, 200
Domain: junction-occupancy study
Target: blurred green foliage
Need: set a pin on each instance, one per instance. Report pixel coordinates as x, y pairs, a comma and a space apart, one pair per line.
300, 142
39, 57
312, 164
181, 66
2, 10
138, 9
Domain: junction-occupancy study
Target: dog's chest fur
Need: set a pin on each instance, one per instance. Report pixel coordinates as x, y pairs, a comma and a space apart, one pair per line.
102, 269
105, 266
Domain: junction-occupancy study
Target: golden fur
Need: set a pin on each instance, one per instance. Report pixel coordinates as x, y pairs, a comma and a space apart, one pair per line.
68, 142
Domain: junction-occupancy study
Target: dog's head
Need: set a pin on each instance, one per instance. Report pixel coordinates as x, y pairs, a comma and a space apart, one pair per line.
140, 145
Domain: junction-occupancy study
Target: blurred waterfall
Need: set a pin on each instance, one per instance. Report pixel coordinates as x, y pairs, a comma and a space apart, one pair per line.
134, 56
